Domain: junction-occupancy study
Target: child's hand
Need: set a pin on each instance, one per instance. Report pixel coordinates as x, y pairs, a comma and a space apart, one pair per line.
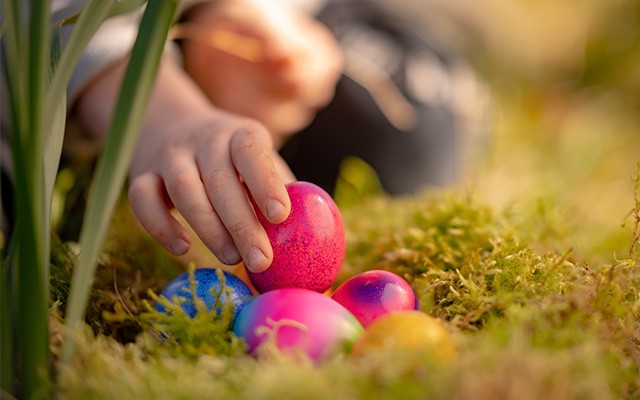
291, 72
206, 163
201, 168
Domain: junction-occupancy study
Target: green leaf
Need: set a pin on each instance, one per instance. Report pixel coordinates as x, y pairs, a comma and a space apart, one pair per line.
53, 150
13, 71
33, 227
55, 131
112, 166
14, 62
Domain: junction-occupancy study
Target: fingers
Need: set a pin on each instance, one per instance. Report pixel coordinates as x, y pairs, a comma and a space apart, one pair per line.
253, 157
231, 202
184, 186
147, 199
213, 175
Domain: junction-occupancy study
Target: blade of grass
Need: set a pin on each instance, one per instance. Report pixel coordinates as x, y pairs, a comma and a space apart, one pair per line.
33, 285
12, 66
121, 139
55, 133
61, 67
26, 263
87, 23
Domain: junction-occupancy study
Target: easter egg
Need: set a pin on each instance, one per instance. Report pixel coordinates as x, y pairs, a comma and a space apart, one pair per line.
297, 321
412, 331
372, 294
308, 247
208, 285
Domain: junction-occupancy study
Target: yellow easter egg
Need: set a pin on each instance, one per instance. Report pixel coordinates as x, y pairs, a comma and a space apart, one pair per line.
407, 331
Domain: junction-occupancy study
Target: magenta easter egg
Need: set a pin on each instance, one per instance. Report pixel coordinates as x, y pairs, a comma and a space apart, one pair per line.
371, 294
308, 247
298, 320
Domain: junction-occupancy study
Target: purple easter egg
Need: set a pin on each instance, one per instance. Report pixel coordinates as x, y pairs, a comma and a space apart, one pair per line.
208, 286
298, 320
371, 294
308, 247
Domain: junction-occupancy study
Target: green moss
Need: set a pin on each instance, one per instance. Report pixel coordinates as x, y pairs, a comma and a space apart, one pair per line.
526, 324
175, 333
131, 265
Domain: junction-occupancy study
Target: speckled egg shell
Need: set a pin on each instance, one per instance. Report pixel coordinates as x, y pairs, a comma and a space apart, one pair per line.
308, 247
207, 286
298, 320
372, 294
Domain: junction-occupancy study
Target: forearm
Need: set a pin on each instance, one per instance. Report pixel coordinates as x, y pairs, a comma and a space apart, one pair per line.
112, 41
175, 98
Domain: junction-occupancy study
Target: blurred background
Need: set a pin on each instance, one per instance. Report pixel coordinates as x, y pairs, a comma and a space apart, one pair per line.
562, 80
564, 116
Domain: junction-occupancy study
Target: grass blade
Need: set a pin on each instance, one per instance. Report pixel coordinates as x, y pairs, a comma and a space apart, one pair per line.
55, 133
17, 94
13, 65
61, 68
113, 163
33, 228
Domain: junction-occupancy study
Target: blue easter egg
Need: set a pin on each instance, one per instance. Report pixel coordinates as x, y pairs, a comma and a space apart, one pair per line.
207, 288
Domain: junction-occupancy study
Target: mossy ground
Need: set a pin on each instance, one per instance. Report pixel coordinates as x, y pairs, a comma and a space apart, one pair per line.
527, 324
532, 263
530, 320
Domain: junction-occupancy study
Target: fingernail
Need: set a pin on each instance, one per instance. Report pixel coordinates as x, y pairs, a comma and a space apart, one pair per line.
255, 258
274, 209
178, 247
231, 255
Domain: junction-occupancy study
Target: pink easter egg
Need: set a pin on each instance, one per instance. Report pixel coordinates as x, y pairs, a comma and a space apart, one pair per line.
297, 321
371, 294
308, 247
